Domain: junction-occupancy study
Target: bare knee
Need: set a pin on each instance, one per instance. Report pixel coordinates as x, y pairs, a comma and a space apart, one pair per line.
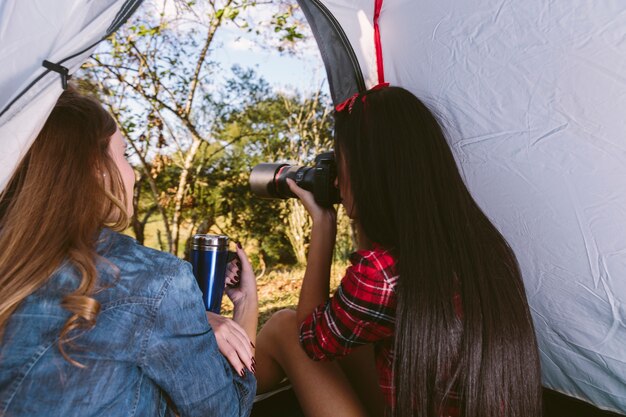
282, 327
282, 320
285, 315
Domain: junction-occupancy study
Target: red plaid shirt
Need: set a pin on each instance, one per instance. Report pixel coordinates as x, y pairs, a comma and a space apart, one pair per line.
362, 311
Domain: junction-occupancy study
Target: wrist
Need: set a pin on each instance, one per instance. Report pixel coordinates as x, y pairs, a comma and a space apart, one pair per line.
326, 220
246, 314
245, 301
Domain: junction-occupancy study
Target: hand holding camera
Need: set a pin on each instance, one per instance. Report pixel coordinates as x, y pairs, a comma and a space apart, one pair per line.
314, 186
269, 180
318, 213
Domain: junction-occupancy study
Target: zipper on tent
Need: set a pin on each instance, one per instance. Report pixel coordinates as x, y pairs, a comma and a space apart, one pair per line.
346, 43
48, 70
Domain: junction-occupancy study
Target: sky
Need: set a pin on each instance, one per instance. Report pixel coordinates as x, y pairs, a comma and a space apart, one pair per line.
301, 71
304, 72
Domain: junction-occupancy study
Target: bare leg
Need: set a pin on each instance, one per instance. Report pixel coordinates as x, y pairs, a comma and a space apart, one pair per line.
321, 387
360, 369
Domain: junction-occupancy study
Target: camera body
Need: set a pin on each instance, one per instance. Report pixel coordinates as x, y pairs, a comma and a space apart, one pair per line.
269, 180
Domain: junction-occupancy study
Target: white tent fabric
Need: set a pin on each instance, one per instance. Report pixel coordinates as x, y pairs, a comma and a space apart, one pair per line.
31, 32
533, 94
356, 21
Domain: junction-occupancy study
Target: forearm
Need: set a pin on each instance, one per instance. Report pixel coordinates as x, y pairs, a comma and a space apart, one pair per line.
316, 283
246, 314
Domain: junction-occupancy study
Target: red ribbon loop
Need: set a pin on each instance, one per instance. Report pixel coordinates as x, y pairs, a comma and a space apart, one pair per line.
349, 102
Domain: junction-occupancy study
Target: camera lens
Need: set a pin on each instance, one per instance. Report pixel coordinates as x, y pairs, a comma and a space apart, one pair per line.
262, 180
269, 180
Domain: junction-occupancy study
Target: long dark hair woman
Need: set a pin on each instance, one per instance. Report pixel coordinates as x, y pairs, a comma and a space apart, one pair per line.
434, 297
92, 323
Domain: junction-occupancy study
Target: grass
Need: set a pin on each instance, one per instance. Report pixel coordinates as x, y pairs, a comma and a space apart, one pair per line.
151, 234
280, 288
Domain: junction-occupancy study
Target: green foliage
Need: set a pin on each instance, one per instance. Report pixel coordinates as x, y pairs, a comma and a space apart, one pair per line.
288, 29
142, 30
229, 13
195, 134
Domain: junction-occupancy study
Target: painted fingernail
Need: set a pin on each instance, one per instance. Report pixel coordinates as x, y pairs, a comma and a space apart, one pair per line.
253, 369
242, 372
253, 361
239, 245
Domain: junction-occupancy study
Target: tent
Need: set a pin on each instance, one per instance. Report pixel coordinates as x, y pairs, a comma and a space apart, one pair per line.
533, 96
63, 33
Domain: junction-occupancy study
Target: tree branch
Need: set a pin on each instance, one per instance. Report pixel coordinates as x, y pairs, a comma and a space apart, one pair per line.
216, 22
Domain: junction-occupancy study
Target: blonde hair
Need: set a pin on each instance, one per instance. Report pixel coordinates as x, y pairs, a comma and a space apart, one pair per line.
54, 207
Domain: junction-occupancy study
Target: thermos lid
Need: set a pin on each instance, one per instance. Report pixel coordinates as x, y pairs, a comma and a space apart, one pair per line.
209, 242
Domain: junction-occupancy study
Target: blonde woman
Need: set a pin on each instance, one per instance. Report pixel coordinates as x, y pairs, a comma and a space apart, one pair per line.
93, 323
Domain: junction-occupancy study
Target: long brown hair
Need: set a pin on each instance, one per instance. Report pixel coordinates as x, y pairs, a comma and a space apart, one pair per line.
64, 191
411, 199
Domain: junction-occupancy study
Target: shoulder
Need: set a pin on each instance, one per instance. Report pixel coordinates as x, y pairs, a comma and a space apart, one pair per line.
141, 270
127, 251
376, 263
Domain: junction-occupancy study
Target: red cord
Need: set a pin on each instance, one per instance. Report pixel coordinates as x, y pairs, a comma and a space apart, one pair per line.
379, 49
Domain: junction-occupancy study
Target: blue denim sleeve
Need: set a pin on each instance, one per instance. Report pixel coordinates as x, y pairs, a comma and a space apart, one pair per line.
181, 355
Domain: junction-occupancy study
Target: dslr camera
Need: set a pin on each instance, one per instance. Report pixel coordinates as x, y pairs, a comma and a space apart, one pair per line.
269, 180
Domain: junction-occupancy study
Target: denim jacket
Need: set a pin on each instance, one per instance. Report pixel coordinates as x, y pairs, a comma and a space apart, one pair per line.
151, 352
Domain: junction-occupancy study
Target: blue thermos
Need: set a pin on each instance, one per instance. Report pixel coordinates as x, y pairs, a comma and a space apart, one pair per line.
209, 256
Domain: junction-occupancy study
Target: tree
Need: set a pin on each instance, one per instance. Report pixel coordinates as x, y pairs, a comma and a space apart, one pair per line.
274, 127
195, 133
157, 78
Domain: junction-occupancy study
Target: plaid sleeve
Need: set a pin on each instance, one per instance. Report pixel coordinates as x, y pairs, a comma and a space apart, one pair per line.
361, 311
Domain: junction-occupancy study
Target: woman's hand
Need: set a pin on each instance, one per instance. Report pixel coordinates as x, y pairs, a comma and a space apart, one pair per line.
318, 214
240, 280
241, 289
233, 342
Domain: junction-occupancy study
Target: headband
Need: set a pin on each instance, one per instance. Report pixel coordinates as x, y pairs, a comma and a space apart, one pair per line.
350, 101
